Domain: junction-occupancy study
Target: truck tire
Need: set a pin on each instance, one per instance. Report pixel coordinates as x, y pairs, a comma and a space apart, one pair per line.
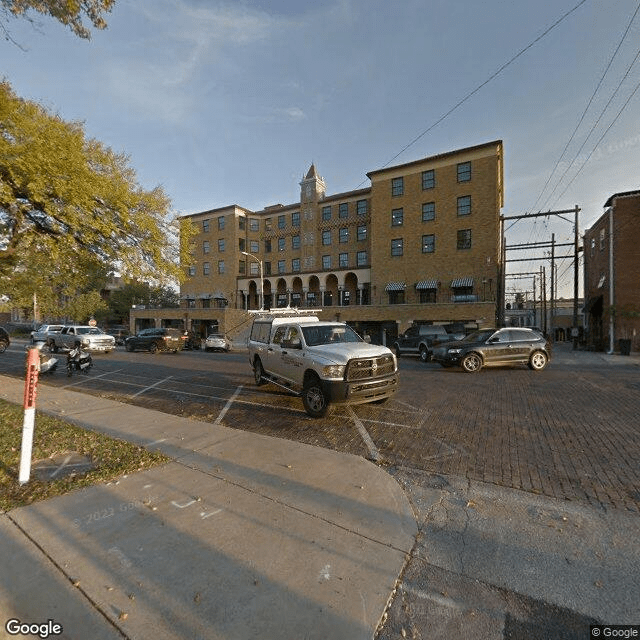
153, 347
52, 347
314, 397
424, 353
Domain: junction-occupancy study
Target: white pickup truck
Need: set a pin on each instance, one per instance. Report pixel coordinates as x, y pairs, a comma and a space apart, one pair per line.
324, 362
90, 339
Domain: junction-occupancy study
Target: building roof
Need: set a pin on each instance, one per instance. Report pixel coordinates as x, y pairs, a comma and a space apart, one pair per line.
622, 194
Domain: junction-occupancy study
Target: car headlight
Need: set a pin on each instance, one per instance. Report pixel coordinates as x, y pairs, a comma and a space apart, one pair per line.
333, 371
85, 341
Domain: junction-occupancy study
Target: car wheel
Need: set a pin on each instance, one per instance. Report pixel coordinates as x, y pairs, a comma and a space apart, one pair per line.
471, 363
258, 372
424, 354
3, 346
153, 347
538, 361
52, 347
314, 398
396, 348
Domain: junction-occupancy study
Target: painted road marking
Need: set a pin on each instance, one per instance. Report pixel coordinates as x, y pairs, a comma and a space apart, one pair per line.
227, 406
151, 386
374, 454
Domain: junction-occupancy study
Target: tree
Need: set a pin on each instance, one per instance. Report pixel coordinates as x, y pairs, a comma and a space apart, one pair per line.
135, 293
69, 201
68, 12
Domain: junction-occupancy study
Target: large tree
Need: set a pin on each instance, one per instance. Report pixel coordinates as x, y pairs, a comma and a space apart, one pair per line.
70, 202
68, 12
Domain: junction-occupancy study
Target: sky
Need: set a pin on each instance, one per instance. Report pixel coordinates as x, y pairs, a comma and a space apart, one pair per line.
226, 103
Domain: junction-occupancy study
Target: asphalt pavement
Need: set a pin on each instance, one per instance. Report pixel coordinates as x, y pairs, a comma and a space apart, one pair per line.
248, 536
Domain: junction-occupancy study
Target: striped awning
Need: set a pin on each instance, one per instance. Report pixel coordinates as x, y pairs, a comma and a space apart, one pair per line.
459, 283
395, 286
427, 284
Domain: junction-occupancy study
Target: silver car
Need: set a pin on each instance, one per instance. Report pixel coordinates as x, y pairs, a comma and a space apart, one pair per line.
41, 334
217, 342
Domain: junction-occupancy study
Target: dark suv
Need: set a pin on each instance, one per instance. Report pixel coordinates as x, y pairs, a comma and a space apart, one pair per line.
4, 340
489, 347
153, 340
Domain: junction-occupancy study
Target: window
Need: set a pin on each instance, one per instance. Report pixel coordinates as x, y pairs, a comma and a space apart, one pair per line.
221, 222
295, 219
361, 207
396, 297
397, 217
326, 262
295, 242
242, 223
601, 239
427, 295
254, 224
254, 268
220, 266
326, 238
281, 222
326, 213
205, 225
254, 246
242, 266
361, 258
343, 210
267, 246
220, 244
267, 224
295, 264
464, 172
428, 179
428, 211
397, 245
343, 260
281, 244
362, 232
397, 186
344, 234
464, 205
464, 239
428, 243
192, 271
205, 246
242, 244
267, 268
281, 266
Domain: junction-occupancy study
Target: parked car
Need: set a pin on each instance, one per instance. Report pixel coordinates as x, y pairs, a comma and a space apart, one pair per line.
419, 340
90, 338
489, 347
4, 339
217, 342
119, 335
153, 340
44, 330
190, 340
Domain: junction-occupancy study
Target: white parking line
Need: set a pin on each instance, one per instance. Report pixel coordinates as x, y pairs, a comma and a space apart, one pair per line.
151, 386
374, 454
226, 406
88, 378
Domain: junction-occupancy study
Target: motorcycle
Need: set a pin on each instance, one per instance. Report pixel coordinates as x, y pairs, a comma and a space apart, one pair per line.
79, 360
48, 363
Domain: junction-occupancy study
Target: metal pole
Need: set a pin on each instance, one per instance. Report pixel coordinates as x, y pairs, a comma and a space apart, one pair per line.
575, 281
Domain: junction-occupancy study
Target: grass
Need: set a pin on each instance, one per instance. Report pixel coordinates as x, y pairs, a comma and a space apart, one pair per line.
111, 458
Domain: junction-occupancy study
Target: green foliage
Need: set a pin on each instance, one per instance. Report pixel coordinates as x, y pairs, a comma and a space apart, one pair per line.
139, 293
71, 207
68, 12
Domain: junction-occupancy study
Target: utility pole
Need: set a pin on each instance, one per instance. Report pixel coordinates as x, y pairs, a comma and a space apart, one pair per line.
574, 329
553, 292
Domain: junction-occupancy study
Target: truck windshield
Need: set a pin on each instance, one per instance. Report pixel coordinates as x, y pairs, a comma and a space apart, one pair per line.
88, 330
328, 334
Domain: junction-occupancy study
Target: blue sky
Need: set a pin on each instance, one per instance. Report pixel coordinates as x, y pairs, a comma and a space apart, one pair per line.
230, 102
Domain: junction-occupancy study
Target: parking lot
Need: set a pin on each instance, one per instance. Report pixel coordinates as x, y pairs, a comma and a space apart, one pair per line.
568, 432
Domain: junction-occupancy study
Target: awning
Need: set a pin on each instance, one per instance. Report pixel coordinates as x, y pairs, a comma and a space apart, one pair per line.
427, 284
395, 286
460, 283
593, 306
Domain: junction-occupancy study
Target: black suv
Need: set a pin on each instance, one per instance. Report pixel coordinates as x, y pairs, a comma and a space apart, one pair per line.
153, 340
489, 347
4, 340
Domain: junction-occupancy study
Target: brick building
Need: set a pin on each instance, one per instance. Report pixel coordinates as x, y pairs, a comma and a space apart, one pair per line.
420, 244
612, 274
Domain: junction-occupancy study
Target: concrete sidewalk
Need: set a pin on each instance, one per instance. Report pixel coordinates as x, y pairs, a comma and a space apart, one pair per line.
240, 536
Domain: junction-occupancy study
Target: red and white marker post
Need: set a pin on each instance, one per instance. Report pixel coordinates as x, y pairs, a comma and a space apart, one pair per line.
30, 387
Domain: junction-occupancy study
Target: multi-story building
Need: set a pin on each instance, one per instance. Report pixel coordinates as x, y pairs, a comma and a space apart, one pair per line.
612, 273
420, 244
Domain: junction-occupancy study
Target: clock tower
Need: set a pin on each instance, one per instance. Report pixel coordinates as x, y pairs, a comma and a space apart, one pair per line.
312, 187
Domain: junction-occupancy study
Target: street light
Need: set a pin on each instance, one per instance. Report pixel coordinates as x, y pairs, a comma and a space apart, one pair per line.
261, 278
